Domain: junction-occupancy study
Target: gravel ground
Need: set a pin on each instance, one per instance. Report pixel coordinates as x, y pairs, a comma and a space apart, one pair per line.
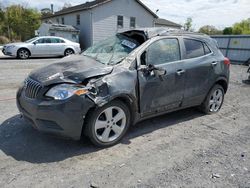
181, 149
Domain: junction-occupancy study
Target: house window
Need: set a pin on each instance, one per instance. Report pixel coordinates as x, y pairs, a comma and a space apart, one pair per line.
120, 21
52, 34
57, 20
62, 20
78, 19
132, 22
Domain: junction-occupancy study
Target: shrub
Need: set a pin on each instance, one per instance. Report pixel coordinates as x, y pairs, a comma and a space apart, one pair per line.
4, 40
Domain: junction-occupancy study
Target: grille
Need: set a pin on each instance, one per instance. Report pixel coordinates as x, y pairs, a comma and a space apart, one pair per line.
32, 88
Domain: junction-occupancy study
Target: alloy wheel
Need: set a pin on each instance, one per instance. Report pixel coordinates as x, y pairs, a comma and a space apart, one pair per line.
110, 124
23, 54
69, 52
216, 100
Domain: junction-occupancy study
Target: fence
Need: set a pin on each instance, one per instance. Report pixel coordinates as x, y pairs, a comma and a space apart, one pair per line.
235, 47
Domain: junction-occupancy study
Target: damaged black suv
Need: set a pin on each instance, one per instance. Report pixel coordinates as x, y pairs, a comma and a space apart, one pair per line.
124, 79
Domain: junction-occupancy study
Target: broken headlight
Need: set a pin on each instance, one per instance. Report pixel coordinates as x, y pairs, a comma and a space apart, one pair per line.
65, 91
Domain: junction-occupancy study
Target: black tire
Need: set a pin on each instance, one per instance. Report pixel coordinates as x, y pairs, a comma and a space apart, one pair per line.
23, 53
95, 115
247, 63
207, 107
68, 52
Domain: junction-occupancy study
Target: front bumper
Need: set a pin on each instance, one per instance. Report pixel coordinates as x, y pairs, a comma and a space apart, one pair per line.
9, 52
63, 118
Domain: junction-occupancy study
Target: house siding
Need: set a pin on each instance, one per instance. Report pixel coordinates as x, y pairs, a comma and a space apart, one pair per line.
85, 37
105, 18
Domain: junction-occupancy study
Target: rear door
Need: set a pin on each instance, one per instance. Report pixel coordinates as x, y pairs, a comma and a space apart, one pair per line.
56, 47
162, 93
199, 63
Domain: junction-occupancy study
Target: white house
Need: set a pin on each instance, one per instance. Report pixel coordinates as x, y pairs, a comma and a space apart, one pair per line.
100, 19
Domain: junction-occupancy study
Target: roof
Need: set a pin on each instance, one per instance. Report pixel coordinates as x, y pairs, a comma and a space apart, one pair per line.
161, 21
90, 5
163, 31
61, 27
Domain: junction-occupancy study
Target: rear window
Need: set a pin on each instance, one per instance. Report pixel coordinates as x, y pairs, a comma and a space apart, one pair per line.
195, 48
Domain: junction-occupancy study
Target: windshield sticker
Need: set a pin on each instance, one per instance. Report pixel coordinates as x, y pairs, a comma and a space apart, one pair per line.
128, 44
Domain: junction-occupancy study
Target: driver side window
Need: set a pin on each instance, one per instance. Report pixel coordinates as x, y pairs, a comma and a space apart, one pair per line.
162, 51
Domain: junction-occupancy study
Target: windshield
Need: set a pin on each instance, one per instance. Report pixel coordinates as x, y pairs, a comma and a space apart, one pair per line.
112, 50
30, 40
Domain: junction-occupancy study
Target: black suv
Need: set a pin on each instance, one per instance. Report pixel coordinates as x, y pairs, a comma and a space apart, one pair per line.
124, 79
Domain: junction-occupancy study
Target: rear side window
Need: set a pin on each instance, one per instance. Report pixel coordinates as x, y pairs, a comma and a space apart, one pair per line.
206, 49
194, 48
61, 41
55, 40
163, 51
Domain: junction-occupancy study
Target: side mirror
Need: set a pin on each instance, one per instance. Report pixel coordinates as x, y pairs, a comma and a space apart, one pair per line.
152, 70
160, 72
35, 43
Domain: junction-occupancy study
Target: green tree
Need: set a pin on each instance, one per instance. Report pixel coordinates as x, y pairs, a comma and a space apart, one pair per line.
210, 30
19, 23
188, 24
1, 20
242, 28
228, 31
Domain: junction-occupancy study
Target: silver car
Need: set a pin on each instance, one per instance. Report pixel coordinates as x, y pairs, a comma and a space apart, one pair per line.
42, 47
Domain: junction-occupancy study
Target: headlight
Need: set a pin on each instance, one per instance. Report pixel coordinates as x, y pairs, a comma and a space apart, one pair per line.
65, 91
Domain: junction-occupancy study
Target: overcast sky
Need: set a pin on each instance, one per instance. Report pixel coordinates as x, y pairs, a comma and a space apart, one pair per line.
220, 13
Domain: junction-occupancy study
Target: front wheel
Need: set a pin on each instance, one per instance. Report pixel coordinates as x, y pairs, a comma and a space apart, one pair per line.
23, 54
214, 100
107, 125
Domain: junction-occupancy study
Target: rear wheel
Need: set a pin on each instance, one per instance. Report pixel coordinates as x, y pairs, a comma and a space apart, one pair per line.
214, 100
68, 52
108, 124
23, 53
247, 63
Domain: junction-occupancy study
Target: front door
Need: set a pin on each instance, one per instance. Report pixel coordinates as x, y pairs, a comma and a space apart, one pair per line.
41, 47
165, 92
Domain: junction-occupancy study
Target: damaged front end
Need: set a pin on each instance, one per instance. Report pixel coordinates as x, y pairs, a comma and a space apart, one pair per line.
57, 98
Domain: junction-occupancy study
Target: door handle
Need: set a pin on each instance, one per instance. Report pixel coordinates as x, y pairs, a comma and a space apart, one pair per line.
180, 72
214, 63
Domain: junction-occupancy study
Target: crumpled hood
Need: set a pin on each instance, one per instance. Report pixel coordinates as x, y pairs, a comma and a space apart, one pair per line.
73, 69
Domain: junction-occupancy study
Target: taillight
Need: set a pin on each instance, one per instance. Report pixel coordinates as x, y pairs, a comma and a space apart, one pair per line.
227, 61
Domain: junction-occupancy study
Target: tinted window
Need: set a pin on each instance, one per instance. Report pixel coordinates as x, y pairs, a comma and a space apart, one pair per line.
120, 21
194, 48
47, 40
41, 41
163, 51
206, 49
55, 40
61, 41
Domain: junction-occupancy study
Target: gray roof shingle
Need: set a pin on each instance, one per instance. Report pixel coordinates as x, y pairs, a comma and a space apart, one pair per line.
89, 5
161, 21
